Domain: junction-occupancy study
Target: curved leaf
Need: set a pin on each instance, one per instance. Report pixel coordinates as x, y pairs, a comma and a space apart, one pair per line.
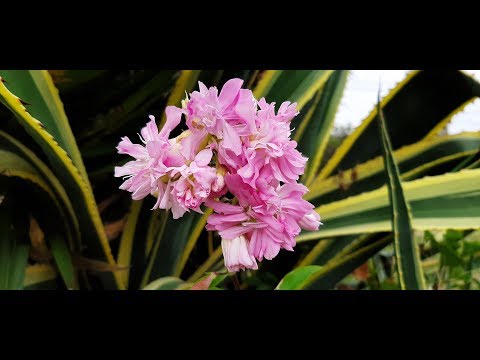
74, 182
412, 109
294, 279
449, 201
36, 88
13, 165
410, 160
9, 143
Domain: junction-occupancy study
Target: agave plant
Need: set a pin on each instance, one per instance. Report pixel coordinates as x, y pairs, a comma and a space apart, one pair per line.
67, 225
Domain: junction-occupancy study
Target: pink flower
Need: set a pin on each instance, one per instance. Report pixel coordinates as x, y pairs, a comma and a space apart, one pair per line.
310, 221
196, 181
234, 145
210, 111
264, 232
142, 173
270, 146
236, 255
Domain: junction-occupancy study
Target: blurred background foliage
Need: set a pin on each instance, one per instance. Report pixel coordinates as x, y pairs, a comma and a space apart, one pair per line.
66, 225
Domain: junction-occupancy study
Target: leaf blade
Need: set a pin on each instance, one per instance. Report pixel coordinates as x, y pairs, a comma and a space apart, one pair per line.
406, 250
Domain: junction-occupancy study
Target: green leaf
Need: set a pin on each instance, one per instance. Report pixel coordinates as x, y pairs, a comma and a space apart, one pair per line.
325, 277
11, 165
207, 265
171, 245
406, 250
325, 250
63, 260
418, 107
165, 283
186, 82
333, 249
137, 103
294, 279
13, 246
197, 229
9, 143
291, 85
427, 157
36, 88
217, 281
126, 241
77, 186
267, 80
448, 201
314, 130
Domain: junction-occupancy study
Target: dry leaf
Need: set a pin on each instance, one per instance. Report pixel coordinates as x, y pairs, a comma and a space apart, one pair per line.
205, 283
39, 250
107, 202
83, 263
344, 287
361, 273
113, 229
59, 76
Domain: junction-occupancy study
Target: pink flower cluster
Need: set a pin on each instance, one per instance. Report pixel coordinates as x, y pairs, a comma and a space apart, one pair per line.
237, 158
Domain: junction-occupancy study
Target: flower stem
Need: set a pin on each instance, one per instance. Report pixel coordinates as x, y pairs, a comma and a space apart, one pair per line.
236, 283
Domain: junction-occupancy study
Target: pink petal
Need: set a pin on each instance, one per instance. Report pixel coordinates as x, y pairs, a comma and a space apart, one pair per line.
203, 157
150, 132
231, 140
229, 92
174, 116
127, 147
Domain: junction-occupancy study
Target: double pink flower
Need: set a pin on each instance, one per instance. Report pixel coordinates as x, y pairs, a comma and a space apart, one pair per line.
234, 145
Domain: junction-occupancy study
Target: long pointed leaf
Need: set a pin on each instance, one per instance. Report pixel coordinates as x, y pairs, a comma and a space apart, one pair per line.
406, 250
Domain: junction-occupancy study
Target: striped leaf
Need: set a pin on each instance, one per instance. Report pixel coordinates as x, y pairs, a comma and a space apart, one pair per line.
74, 182
448, 201
313, 132
167, 283
418, 107
406, 250
427, 157
291, 85
325, 277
